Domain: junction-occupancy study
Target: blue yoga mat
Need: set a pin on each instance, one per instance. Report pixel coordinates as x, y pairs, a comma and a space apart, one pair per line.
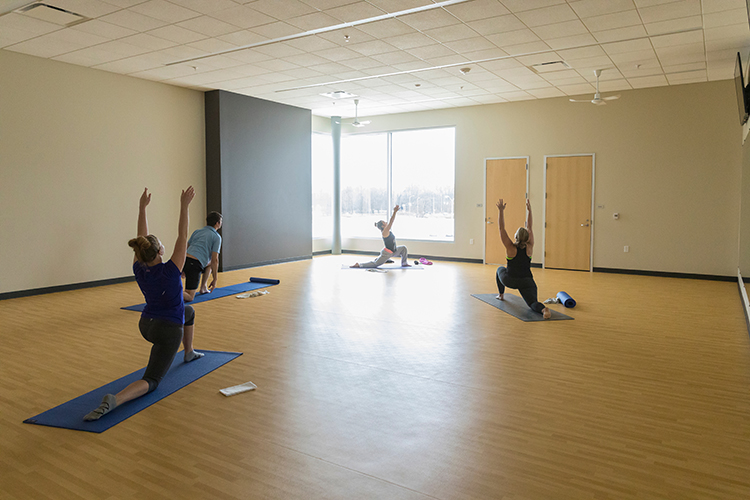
70, 415
566, 299
216, 294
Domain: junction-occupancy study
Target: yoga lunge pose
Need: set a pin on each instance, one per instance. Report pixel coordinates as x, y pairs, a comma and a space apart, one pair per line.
390, 251
202, 257
166, 320
518, 253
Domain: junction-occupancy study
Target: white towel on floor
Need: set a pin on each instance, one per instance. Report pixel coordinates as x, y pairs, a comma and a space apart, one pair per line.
238, 389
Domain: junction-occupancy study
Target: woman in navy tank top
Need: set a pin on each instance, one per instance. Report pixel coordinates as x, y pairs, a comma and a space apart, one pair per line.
518, 254
166, 321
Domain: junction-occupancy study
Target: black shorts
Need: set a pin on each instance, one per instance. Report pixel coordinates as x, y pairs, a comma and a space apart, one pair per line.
192, 270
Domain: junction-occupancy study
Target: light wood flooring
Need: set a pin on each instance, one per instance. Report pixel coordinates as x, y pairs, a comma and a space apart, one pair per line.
394, 385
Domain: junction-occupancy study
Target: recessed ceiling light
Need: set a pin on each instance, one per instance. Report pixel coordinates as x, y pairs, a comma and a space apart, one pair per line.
464, 71
339, 94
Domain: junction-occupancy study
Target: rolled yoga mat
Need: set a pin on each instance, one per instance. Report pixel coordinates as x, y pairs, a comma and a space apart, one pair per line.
566, 299
216, 294
517, 307
70, 415
265, 280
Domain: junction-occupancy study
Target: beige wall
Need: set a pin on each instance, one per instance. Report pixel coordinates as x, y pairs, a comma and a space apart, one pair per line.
77, 147
668, 160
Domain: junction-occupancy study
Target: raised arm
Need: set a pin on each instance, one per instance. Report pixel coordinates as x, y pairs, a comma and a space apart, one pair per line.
507, 242
387, 228
142, 220
180, 246
530, 243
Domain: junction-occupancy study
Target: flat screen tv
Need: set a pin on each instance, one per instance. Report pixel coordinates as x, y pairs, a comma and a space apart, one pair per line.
739, 85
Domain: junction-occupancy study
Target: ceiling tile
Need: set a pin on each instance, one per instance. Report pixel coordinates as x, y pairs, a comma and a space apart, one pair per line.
513, 38
547, 15
242, 17
591, 8
560, 30
429, 19
176, 34
725, 18
242, 38
670, 11
338, 54
451, 33
164, 11
275, 30
713, 6
355, 12
627, 46
546, 92
497, 24
361, 63
431, 51
313, 21
135, 64
648, 81
523, 5
692, 37
311, 43
470, 45
279, 50
133, 20
205, 6
386, 28
571, 41
282, 9
211, 45
612, 21
684, 23
208, 26
526, 48
688, 77
620, 34
477, 9
410, 40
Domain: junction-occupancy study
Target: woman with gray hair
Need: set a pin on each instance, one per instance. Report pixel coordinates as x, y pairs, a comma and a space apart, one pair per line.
518, 254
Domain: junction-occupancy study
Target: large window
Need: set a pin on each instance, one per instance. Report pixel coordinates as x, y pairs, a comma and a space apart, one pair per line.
414, 169
322, 186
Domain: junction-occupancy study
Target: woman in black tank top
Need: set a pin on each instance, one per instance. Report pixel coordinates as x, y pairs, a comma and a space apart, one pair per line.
518, 273
390, 250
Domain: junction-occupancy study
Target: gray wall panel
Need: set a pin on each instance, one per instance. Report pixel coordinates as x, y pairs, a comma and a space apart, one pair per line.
265, 176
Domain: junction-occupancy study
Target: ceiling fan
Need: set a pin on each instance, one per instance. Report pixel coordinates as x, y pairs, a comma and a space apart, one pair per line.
598, 99
356, 122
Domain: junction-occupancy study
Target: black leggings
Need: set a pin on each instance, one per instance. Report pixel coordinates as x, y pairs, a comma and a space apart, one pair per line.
526, 286
166, 337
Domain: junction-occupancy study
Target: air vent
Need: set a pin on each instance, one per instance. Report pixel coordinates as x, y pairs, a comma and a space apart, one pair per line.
546, 67
52, 14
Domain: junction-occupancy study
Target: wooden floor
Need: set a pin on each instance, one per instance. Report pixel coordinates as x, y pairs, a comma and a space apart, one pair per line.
394, 385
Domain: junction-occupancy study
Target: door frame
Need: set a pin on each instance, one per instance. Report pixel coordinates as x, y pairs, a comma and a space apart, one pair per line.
484, 218
593, 197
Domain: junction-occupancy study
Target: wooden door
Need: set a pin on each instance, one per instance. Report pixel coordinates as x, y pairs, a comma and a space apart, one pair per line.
505, 178
568, 218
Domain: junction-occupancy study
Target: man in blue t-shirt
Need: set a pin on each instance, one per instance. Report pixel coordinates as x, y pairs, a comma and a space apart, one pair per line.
202, 257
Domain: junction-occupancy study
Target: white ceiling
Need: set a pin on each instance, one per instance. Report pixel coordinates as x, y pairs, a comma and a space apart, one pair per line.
292, 51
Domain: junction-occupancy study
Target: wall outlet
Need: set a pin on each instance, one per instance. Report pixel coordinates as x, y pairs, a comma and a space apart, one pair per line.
471, 241
626, 249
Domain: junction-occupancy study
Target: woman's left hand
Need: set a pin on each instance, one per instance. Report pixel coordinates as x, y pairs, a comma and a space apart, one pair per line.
187, 196
145, 198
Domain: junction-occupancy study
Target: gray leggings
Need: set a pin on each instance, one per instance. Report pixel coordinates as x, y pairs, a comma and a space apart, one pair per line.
386, 254
166, 337
526, 286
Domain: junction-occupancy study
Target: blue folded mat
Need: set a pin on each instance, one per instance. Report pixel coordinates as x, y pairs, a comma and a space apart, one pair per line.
566, 299
270, 281
219, 292
70, 415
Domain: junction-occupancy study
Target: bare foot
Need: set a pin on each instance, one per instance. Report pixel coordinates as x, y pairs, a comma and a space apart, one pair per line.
500, 296
355, 265
546, 313
205, 291
405, 265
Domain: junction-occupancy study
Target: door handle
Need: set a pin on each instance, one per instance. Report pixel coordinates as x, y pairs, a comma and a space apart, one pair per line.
584, 225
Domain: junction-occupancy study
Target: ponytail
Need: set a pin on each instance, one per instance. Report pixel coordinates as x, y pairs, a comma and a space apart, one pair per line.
146, 248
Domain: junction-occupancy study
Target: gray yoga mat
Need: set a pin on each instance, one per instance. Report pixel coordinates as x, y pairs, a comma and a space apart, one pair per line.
516, 306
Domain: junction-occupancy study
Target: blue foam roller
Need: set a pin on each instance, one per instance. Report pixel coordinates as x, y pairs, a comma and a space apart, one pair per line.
566, 299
